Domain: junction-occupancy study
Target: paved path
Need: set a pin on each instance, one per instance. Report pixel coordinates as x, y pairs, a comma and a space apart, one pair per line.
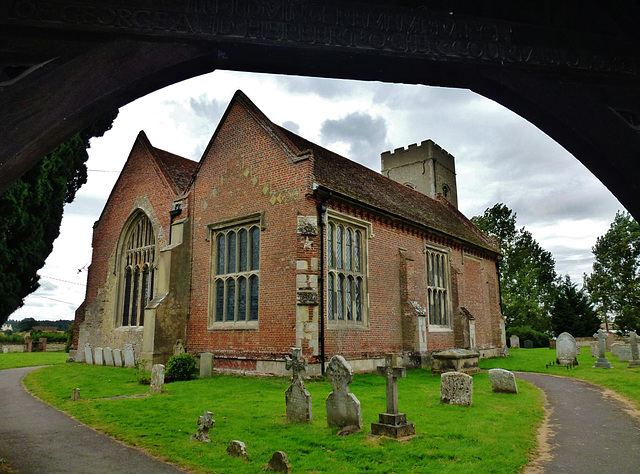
36, 438
589, 431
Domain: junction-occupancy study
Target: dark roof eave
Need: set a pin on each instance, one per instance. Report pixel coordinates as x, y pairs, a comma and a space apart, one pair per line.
393, 216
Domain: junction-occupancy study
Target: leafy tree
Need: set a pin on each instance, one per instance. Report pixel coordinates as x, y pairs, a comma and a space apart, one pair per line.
614, 283
26, 325
572, 311
31, 211
527, 271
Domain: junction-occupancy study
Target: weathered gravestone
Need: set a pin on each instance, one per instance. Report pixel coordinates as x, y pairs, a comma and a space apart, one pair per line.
5, 350
279, 463
456, 388
117, 357
298, 398
88, 355
635, 358
392, 423
343, 408
75, 394
503, 381
108, 356
129, 356
624, 353
515, 342
178, 348
237, 449
593, 345
97, 356
602, 361
205, 423
528, 344
615, 347
157, 378
566, 349
206, 365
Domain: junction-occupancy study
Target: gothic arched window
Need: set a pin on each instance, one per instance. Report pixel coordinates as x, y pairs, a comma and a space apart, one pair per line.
137, 271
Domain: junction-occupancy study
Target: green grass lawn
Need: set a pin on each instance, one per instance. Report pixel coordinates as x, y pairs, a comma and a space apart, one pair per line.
496, 434
13, 360
620, 378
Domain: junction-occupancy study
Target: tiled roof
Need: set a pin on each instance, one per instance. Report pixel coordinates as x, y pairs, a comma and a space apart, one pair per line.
176, 169
362, 184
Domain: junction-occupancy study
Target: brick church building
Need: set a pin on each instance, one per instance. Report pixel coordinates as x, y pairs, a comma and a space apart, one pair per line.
272, 241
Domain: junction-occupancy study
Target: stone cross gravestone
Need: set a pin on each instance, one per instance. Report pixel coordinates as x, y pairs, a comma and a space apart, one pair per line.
392, 423
129, 356
237, 449
503, 381
157, 378
117, 357
456, 388
88, 355
108, 356
515, 342
206, 365
279, 463
566, 349
635, 358
205, 423
343, 408
97, 356
602, 361
298, 398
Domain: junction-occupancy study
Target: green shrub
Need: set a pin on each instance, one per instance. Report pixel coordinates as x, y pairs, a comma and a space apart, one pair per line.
51, 336
181, 367
538, 338
12, 338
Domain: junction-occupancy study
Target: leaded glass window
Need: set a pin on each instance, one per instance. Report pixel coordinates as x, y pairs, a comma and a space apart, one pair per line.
438, 288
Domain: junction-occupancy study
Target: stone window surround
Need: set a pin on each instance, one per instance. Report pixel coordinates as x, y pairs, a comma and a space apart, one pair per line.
433, 248
236, 223
151, 268
366, 228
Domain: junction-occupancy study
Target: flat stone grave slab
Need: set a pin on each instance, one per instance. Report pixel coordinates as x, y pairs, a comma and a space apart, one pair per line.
455, 360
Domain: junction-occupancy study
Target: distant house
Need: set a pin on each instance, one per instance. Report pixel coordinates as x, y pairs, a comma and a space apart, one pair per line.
6, 327
272, 241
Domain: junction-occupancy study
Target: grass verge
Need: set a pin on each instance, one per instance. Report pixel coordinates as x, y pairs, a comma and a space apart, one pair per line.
497, 434
14, 360
620, 378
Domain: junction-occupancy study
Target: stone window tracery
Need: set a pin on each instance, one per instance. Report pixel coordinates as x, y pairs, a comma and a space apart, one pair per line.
138, 271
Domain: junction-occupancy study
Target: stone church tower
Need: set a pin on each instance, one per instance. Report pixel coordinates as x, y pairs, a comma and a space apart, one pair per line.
427, 168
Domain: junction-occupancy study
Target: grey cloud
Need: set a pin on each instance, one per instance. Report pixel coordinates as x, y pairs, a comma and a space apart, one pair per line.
365, 135
326, 88
292, 126
210, 109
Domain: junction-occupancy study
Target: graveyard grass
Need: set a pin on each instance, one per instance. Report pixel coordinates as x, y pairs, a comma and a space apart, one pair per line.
496, 434
14, 360
621, 379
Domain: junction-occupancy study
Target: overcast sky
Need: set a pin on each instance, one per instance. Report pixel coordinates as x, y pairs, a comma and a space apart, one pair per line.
500, 157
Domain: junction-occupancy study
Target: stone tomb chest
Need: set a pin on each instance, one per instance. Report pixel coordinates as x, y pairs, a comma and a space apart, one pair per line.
455, 360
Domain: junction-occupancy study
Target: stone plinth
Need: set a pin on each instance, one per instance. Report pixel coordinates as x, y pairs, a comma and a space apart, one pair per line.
393, 425
455, 360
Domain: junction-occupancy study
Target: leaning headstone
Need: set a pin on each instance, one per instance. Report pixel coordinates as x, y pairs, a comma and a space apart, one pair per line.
566, 349
456, 388
75, 394
206, 365
635, 359
237, 449
392, 423
279, 463
107, 353
117, 357
157, 378
298, 398
205, 423
624, 353
503, 381
343, 408
602, 361
178, 348
594, 348
528, 344
88, 355
129, 356
515, 342
97, 356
